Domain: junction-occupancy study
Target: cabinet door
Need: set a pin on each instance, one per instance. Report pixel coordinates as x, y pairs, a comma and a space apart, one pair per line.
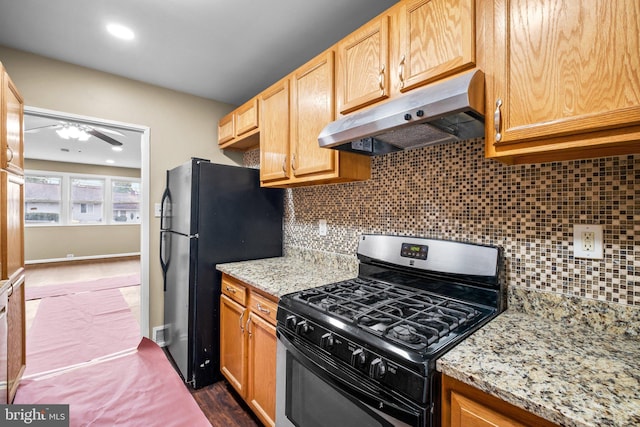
16, 333
312, 109
247, 117
561, 69
226, 129
363, 66
436, 38
12, 220
274, 132
232, 343
262, 369
11, 127
468, 413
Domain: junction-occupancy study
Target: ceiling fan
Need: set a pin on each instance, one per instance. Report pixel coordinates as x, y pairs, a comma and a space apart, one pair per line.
80, 132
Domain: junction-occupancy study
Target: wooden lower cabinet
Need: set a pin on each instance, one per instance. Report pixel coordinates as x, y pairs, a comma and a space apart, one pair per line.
466, 406
16, 333
248, 346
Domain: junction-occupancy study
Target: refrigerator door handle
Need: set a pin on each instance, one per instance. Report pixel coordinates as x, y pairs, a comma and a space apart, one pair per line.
164, 264
166, 196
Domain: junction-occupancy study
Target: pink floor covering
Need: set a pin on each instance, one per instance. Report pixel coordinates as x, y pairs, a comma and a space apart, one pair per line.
37, 292
85, 350
139, 389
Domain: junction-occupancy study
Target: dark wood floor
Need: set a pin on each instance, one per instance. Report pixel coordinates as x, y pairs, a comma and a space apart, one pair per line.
223, 407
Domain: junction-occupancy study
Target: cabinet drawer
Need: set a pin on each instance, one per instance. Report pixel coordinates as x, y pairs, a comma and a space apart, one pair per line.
234, 290
263, 307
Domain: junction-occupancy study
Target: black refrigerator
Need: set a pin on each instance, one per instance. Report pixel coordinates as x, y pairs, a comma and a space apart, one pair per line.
210, 214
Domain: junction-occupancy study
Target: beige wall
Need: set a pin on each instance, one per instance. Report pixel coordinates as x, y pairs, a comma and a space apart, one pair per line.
181, 125
54, 242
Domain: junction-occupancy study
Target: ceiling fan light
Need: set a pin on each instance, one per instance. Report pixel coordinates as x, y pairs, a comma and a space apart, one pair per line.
83, 136
74, 132
116, 148
63, 132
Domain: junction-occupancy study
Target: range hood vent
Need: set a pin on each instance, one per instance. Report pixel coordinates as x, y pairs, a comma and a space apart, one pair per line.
452, 110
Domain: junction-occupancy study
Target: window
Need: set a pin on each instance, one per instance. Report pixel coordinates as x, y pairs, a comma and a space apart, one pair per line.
42, 199
63, 199
87, 201
125, 201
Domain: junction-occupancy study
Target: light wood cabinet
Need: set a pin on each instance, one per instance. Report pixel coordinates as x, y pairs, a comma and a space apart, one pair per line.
248, 345
412, 44
436, 39
363, 66
466, 406
12, 227
11, 139
292, 156
274, 135
239, 130
563, 79
16, 332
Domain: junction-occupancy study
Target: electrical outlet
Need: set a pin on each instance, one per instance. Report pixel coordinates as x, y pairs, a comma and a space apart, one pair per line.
588, 244
322, 227
588, 241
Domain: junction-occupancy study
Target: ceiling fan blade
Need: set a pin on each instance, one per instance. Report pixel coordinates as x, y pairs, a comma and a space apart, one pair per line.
104, 130
103, 137
39, 128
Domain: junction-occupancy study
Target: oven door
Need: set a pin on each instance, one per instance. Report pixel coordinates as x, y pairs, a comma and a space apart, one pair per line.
314, 391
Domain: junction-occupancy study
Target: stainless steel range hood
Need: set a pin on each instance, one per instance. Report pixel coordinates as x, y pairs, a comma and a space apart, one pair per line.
451, 110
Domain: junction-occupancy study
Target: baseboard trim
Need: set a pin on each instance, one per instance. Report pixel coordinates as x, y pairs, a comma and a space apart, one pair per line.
84, 259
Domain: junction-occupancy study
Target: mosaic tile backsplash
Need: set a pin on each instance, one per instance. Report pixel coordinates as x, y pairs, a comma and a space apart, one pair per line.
452, 192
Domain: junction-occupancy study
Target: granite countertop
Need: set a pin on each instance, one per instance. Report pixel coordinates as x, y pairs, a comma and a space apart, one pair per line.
571, 373
293, 272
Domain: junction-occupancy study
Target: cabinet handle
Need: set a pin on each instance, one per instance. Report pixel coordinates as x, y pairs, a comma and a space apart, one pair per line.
293, 161
10, 291
230, 289
10, 151
381, 80
497, 116
401, 71
262, 309
241, 316
284, 164
247, 326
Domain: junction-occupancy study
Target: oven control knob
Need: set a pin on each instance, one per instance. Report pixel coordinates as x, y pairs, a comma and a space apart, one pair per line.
377, 368
358, 358
302, 327
290, 322
326, 341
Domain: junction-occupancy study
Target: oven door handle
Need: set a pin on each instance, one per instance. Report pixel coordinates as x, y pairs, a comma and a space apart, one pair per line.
372, 396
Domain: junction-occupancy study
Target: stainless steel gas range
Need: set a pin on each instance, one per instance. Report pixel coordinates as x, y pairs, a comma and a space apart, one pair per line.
362, 352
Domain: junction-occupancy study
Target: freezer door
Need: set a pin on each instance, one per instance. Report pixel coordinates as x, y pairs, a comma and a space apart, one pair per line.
180, 261
178, 203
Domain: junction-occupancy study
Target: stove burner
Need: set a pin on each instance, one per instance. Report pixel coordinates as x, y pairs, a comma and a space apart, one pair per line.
405, 333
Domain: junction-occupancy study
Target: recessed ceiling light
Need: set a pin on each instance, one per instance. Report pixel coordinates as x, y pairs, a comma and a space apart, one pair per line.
116, 148
110, 161
120, 31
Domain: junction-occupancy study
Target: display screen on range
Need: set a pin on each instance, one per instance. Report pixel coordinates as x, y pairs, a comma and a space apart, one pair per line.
410, 250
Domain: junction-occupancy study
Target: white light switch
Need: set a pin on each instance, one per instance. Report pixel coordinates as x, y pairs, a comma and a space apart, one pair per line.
156, 210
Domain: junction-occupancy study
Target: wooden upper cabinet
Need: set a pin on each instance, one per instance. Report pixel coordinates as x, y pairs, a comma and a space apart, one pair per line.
11, 126
239, 129
436, 38
274, 132
565, 79
312, 109
363, 66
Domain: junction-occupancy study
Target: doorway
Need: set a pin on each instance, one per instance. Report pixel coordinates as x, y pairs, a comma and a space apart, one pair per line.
92, 142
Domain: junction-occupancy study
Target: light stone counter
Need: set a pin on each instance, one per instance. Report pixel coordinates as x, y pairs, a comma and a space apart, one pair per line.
571, 370
297, 270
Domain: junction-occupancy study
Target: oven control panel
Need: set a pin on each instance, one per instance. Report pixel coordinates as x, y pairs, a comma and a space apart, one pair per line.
356, 357
411, 250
